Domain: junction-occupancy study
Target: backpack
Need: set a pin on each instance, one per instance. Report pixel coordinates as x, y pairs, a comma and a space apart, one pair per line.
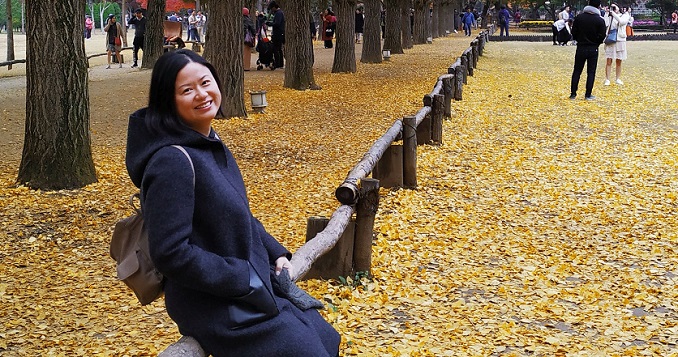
129, 248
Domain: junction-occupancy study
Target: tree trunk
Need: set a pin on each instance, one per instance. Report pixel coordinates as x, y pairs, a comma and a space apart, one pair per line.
153, 39
344, 54
123, 21
10, 34
298, 46
372, 41
393, 38
435, 20
420, 19
56, 153
405, 26
224, 51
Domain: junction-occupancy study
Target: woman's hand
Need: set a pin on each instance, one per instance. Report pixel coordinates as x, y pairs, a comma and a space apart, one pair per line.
283, 263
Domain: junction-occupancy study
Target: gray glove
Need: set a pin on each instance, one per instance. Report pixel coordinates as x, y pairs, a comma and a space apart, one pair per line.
285, 287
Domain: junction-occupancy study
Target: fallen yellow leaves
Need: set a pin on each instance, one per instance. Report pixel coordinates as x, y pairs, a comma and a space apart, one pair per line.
542, 226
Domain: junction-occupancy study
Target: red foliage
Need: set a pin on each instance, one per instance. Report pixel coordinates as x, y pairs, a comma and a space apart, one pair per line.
172, 5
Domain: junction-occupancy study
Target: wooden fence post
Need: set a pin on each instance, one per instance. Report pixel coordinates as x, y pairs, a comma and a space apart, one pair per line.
389, 169
437, 118
448, 90
424, 128
474, 52
366, 210
469, 61
481, 44
464, 67
409, 152
459, 76
186, 347
336, 262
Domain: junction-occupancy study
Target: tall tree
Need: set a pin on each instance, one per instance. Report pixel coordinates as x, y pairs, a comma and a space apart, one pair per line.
344, 54
10, 34
372, 41
224, 51
435, 19
420, 19
56, 153
298, 46
153, 39
405, 24
393, 37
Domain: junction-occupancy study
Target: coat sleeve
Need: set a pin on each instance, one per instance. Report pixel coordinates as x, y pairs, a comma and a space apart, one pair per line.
168, 195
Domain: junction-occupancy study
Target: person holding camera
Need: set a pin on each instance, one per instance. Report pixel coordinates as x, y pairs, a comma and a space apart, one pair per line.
588, 30
616, 51
139, 22
113, 40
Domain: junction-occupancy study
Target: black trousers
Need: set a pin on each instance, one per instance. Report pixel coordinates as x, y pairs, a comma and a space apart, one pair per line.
555, 34
278, 60
137, 44
585, 55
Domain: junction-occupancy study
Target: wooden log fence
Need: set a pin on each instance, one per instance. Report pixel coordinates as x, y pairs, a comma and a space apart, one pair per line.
360, 195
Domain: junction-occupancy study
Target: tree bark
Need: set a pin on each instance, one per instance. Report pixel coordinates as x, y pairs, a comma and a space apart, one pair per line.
56, 153
344, 54
372, 42
405, 27
10, 34
123, 22
224, 50
393, 38
435, 20
298, 46
153, 39
420, 19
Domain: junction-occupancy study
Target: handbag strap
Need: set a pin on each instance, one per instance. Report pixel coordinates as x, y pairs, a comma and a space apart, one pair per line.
137, 194
181, 148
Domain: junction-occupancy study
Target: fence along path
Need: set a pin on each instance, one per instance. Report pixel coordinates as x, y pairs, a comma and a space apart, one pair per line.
356, 192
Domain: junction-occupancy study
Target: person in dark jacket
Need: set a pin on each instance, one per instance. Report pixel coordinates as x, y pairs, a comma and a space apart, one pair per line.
504, 21
139, 22
359, 24
588, 30
329, 25
277, 35
221, 266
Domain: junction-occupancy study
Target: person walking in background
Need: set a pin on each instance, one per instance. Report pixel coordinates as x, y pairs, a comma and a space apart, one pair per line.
588, 29
674, 20
139, 22
89, 25
227, 281
250, 35
329, 22
616, 51
456, 20
277, 35
467, 20
564, 14
359, 24
113, 40
504, 20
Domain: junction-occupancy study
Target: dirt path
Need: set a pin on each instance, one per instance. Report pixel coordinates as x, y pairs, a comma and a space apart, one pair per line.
114, 94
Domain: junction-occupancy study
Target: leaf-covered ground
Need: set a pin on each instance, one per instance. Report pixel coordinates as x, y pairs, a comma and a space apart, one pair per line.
542, 226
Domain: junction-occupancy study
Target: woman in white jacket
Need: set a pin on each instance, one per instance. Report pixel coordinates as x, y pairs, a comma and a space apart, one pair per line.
616, 51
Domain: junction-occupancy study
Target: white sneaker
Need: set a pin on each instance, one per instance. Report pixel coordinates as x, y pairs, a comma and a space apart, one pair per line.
108, 67
607, 82
120, 66
619, 81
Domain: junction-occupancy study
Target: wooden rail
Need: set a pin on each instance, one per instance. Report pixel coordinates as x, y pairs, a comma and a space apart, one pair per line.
349, 192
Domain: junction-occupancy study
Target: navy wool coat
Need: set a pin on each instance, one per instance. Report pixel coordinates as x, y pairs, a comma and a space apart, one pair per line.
201, 238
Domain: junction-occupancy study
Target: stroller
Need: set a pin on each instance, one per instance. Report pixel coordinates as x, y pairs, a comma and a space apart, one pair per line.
265, 49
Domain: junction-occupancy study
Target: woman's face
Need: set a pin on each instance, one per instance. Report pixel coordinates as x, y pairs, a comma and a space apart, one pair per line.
197, 97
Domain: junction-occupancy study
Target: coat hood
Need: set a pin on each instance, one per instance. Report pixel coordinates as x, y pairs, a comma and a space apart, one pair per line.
143, 143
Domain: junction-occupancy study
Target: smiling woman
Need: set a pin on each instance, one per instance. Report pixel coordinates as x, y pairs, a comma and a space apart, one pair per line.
219, 262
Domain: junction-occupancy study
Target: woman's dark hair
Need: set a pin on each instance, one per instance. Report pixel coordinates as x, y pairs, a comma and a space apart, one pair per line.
161, 114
